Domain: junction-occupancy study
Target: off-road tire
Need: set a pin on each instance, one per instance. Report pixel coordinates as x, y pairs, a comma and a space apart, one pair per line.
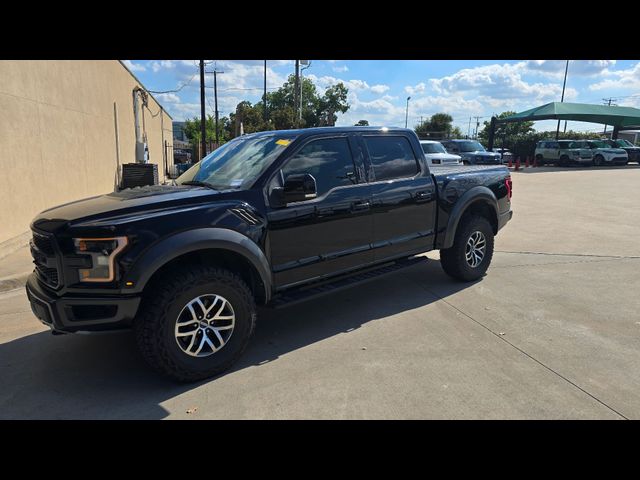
598, 160
453, 259
159, 311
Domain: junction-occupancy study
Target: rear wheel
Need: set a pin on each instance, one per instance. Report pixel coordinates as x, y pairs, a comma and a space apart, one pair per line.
540, 160
470, 255
598, 160
564, 161
196, 323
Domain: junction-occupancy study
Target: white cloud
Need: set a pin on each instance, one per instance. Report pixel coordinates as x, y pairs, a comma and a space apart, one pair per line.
499, 82
555, 68
623, 79
157, 66
379, 88
134, 67
341, 69
168, 97
419, 88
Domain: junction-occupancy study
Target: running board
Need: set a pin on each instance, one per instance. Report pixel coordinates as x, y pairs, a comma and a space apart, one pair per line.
294, 296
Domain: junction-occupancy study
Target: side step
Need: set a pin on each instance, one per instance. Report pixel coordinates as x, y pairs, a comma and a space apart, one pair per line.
294, 296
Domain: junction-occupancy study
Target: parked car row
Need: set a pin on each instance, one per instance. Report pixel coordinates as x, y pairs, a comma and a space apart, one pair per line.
585, 152
559, 152
458, 152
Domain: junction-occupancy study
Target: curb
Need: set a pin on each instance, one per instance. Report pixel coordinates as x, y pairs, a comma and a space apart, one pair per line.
11, 283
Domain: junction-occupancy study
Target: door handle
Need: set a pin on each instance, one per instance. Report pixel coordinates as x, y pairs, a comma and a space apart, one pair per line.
424, 196
364, 205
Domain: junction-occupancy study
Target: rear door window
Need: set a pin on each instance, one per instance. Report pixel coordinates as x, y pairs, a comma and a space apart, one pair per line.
391, 157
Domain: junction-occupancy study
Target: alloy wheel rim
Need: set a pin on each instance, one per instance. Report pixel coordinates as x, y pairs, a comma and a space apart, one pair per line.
475, 249
204, 325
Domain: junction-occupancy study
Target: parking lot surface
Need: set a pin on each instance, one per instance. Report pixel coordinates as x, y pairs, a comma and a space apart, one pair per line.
552, 331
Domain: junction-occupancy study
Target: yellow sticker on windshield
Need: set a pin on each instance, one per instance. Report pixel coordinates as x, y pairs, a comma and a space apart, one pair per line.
283, 142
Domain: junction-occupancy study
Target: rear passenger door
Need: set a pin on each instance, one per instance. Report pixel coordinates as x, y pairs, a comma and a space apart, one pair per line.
403, 198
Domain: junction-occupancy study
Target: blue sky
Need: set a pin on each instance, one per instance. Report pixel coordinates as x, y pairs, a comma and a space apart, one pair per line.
378, 89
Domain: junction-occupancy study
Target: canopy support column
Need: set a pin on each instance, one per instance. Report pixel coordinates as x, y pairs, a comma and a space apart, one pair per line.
614, 135
492, 132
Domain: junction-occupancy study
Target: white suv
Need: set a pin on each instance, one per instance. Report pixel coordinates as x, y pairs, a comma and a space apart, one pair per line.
437, 156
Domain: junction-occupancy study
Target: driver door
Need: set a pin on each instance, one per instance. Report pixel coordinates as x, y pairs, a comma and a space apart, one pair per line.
331, 233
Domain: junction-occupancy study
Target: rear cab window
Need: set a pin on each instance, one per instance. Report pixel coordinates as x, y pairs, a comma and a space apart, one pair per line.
391, 157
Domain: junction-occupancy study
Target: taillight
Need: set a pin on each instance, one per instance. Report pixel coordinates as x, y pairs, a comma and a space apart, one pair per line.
509, 184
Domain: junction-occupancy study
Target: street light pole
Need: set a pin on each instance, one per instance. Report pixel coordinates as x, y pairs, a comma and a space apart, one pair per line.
566, 69
406, 115
264, 96
203, 128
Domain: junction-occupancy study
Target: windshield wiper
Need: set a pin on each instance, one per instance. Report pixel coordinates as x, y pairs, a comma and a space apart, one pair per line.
198, 183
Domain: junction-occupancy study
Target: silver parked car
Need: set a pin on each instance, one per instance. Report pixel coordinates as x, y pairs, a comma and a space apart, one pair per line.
436, 154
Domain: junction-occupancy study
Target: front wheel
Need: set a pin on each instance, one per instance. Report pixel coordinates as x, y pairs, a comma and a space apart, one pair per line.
470, 255
598, 160
540, 160
196, 323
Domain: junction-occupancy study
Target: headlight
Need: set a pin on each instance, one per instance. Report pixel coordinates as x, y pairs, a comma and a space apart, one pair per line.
103, 252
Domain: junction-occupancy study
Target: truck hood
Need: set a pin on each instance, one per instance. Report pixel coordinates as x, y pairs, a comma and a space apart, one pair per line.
124, 202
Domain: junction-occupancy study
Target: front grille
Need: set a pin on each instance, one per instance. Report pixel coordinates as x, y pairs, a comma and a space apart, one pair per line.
48, 275
43, 252
43, 243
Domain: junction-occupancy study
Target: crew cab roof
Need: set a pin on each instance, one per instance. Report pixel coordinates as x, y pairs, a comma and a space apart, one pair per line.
321, 130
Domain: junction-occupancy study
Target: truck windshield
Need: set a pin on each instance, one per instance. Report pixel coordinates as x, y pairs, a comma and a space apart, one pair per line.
433, 148
470, 146
623, 143
237, 163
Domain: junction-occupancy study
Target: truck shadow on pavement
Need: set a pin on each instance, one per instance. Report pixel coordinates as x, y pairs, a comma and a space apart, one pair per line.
104, 377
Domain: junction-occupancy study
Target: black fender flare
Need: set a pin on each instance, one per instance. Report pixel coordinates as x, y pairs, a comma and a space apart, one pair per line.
475, 194
193, 240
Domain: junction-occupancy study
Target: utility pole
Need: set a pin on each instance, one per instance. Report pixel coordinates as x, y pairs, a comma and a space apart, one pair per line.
215, 101
566, 69
264, 96
296, 87
469, 129
608, 102
475, 134
406, 115
203, 128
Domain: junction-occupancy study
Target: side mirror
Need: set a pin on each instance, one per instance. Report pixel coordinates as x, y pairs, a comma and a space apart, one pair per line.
297, 188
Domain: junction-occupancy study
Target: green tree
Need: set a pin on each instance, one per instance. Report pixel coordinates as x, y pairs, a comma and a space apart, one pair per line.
439, 125
333, 101
192, 130
362, 123
505, 130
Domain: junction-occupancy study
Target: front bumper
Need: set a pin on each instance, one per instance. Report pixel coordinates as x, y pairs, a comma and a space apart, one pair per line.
80, 313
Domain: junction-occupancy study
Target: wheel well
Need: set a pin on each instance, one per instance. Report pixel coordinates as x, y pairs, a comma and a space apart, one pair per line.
483, 209
227, 259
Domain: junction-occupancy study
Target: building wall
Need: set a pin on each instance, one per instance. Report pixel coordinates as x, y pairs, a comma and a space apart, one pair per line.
58, 134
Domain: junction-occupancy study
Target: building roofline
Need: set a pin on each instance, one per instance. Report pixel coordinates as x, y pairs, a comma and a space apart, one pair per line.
145, 89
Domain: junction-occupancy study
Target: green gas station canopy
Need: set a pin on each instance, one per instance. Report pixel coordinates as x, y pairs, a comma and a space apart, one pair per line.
621, 117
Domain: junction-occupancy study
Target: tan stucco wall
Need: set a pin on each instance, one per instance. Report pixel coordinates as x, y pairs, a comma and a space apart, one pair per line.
57, 134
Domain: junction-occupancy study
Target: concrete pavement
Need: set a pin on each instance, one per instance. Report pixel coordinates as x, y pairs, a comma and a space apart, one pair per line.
551, 332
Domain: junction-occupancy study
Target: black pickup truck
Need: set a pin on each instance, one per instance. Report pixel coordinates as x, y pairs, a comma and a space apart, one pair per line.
269, 218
